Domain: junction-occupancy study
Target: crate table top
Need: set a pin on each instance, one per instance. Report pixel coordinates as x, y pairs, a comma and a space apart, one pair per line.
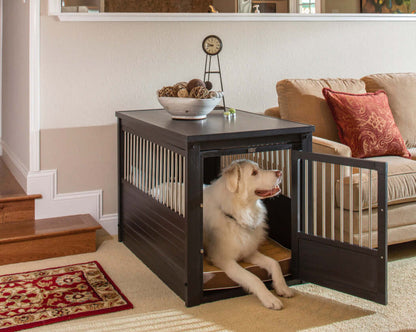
214, 127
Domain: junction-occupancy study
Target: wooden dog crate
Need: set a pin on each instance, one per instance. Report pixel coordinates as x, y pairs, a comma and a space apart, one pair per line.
163, 165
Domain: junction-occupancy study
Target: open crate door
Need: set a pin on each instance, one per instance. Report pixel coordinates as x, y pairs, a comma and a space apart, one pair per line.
339, 218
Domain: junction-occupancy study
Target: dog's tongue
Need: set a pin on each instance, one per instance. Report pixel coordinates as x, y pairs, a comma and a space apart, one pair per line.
268, 193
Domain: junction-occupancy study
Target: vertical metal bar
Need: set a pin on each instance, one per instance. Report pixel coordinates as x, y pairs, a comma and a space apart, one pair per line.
288, 175
157, 193
341, 202
370, 209
153, 167
282, 161
167, 177
176, 184
125, 156
143, 165
323, 170
180, 185
136, 161
165, 170
332, 202
360, 206
171, 180
351, 207
315, 198
306, 194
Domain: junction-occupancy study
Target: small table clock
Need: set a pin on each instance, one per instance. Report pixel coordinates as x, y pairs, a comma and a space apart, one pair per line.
212, 46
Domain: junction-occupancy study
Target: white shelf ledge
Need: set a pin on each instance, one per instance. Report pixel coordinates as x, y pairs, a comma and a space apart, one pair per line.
201, 17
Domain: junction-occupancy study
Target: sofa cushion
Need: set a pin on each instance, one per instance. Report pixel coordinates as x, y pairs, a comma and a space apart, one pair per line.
412, 153
401, 91
301, 100
401, 184
365, 123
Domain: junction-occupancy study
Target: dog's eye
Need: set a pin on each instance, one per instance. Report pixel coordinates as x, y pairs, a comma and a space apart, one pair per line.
254, 172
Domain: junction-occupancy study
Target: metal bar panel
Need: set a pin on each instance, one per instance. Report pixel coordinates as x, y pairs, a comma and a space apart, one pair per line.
306, 194
323, 170
370, 208
341, 203
351, 210
315, 198
332, 202
360, 207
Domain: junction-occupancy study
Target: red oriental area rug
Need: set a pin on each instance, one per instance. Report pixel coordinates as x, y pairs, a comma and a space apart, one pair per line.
53, 295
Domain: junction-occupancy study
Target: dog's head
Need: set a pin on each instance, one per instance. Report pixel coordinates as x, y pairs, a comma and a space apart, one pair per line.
245, 178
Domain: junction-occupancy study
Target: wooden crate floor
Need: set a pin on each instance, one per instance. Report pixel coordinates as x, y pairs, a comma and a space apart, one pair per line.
215, 278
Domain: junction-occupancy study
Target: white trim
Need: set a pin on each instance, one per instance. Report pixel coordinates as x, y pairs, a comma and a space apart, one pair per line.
15, 165
132, 17
34, 89
1, 72
52, 204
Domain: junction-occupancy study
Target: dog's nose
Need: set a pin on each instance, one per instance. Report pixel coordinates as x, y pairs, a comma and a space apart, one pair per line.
278, 174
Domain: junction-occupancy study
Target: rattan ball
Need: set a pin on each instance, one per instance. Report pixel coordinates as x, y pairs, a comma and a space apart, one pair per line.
194, 83
167, 91
183, 93
178, 86
208, 85
199, 92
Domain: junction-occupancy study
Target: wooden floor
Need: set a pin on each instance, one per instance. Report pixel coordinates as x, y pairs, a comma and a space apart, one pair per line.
8, 184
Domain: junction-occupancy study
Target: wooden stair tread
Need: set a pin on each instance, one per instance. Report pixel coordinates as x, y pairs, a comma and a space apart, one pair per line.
18, 197
35, 229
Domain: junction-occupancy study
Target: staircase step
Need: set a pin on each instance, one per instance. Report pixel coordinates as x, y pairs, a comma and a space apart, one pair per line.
17, 208
45, 238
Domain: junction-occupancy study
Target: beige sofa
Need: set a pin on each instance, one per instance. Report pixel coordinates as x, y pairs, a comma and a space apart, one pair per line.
301, 100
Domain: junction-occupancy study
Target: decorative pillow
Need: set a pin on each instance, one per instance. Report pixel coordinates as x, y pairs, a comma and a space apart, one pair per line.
365, 123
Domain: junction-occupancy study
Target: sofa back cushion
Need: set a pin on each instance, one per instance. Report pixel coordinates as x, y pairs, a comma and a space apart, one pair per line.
301, 100
401, 92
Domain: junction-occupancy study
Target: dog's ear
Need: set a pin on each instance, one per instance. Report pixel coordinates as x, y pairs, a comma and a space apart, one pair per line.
232, 176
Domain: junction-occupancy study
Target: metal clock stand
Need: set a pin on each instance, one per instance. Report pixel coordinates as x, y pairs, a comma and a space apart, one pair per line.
208, 72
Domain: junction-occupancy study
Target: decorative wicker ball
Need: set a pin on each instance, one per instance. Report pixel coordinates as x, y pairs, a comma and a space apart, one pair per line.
194, 83
214, 94
199, 92
208, 85
167, 91
183, 93
178, 86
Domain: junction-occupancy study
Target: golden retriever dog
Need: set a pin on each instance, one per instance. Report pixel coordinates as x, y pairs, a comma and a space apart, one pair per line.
235, 225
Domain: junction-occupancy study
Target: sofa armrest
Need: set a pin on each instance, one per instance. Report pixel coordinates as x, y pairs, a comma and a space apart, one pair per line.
322, 145
273, 111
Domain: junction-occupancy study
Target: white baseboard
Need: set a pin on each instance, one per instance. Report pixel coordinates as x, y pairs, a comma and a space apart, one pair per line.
53, 204
15, 165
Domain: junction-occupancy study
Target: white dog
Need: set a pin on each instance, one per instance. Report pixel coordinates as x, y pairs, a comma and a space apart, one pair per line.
234, 226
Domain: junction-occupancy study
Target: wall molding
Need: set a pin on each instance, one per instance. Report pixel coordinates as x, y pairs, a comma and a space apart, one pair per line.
228, 17
15, 165
34, 86
54, 204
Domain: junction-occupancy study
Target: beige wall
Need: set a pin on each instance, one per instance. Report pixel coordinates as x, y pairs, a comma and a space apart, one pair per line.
89, 70
15, 79
85, 158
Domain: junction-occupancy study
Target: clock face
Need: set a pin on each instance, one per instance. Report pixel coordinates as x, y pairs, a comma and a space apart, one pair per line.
212, 45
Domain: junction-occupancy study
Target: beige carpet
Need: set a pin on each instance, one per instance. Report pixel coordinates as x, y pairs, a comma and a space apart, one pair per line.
157, 308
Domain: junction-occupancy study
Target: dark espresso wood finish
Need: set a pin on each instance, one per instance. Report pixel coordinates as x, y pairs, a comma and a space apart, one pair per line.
145, 224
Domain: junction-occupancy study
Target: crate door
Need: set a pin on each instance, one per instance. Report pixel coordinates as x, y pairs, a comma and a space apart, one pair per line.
339, 218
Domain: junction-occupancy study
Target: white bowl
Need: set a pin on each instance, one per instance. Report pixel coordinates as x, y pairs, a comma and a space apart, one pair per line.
188, 108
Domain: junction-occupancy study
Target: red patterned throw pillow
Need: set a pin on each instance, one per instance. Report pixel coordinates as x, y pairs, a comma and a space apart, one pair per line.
365, 123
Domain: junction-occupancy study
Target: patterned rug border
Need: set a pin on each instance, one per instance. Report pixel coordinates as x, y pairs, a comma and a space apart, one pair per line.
129, 305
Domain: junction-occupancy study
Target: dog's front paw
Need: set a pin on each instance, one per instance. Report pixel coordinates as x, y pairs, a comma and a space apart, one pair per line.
284, 291
270, 301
